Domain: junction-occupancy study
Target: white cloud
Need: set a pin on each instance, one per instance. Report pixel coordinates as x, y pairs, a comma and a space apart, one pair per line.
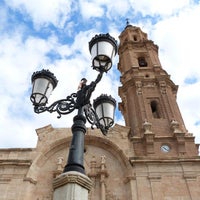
177, 37
117, 8
161, 7
188, 98
44, 11
90, 9
106, 9
22, 53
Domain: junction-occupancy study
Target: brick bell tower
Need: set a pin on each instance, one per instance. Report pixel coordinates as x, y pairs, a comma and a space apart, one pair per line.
149, 102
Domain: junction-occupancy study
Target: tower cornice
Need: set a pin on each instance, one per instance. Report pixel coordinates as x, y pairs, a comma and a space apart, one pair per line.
131, 77
148, 44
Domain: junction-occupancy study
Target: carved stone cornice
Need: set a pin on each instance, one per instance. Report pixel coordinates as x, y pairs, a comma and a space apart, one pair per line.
150, 45
168, 82
72, 177
129, 45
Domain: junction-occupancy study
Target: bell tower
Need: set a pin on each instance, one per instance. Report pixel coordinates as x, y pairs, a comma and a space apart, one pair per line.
148, 99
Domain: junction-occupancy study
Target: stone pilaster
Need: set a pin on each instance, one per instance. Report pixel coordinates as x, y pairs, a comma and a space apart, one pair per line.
149, 137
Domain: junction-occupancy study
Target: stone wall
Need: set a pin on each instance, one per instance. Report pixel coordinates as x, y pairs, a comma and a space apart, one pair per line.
110, 162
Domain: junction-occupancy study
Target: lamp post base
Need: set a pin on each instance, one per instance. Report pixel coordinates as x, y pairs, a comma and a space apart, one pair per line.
71, 186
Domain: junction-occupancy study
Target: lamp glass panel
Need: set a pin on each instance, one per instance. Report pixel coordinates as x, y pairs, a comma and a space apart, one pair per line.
102, 54
42, 89
105, 112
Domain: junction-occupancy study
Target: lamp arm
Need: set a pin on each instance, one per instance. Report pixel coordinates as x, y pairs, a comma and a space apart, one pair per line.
62, 107
99, 77
71, 102
83, 95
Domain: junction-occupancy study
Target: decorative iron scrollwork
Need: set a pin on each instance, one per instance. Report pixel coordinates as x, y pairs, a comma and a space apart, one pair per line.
93, 119
90, 115
62, 107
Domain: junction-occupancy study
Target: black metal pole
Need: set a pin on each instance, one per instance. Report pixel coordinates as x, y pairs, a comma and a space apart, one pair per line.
76, 152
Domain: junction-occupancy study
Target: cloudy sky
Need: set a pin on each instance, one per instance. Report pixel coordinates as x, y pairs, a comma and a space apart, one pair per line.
54, 34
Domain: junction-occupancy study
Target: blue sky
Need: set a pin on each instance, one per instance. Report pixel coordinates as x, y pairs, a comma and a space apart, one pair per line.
54, 34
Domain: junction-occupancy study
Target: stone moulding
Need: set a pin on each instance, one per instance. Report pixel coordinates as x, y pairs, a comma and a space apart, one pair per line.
30, 180
4, 180
15, 162
72, 178
135, 160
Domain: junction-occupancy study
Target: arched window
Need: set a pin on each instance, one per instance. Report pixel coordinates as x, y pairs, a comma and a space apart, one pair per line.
155, 109
135, 38
142, 62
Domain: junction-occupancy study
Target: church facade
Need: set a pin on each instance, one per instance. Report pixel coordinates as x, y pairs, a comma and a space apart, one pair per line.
153, 157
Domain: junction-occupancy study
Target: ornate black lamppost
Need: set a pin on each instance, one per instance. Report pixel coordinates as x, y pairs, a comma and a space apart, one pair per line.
103, 48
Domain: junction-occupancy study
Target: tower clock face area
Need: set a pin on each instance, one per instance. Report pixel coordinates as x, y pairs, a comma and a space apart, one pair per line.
165, 148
